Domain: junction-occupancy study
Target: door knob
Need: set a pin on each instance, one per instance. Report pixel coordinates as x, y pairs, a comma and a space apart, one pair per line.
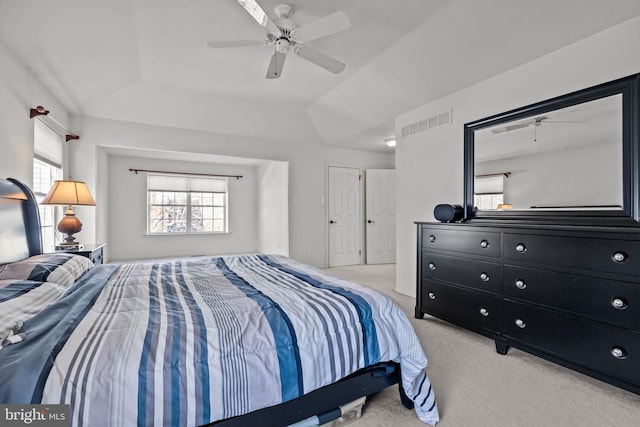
333, 222
370, 221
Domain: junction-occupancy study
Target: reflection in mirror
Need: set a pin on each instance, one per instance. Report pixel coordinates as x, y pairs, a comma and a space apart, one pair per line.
565, 159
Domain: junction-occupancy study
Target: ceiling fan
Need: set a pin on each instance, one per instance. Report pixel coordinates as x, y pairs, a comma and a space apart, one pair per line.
286, 36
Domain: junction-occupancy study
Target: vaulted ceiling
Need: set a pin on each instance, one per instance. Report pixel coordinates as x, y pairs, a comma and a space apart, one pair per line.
145, 61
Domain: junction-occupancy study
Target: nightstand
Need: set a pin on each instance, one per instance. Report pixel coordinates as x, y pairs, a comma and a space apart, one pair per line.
93, 252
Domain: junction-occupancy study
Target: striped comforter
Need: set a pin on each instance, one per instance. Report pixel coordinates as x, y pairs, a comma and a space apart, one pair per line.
191, 341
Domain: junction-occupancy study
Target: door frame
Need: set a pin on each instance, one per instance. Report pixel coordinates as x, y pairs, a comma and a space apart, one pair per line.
361, 218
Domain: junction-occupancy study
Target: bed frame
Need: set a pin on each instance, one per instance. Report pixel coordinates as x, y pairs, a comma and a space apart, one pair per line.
325, 402
20, 238
19, 222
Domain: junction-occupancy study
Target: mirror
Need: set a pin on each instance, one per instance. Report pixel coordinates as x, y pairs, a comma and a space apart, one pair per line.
571, 156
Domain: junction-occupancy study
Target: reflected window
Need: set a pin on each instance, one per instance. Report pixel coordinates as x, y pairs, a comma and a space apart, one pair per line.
489, 201
489, 191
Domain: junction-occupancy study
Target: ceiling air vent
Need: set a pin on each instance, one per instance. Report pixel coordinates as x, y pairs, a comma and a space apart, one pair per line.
428, 123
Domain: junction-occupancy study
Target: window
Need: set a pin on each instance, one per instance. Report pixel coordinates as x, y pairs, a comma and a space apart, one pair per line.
186, 204
488, 201
489, 191
47, 167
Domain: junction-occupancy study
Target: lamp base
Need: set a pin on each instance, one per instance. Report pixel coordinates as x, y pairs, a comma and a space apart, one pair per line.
69, 225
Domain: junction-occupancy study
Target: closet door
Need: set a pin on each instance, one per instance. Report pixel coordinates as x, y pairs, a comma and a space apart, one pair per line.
380, 196
344, 216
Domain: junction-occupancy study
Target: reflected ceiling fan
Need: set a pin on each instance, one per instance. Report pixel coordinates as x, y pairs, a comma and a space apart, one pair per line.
535, 122
285, 36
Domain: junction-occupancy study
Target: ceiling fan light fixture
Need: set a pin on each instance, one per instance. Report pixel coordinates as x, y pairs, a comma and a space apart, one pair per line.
283, 45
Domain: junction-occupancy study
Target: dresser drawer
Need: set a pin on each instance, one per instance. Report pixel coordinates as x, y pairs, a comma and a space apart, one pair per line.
474, 310
486, 276
607, 349
609, 255
610, 301
470, 242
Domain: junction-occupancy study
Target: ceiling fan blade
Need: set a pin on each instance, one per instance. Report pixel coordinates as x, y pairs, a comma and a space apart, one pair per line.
323, 27
565, 121
319, 58
223, 44
260, 16
511, 127
276, 64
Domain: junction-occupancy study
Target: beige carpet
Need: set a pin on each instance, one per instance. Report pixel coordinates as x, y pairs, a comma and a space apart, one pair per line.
475, 386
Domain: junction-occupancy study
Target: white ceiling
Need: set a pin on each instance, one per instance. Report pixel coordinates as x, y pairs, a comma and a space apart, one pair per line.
144, 61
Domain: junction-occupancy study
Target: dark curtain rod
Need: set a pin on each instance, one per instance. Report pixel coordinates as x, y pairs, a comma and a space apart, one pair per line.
184, 173
486, 175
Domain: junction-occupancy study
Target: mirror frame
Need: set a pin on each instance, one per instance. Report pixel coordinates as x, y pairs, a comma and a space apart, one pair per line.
629, 88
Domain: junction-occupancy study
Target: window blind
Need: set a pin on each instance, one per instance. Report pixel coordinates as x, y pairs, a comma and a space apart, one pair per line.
47, 144
489, 185
185, 183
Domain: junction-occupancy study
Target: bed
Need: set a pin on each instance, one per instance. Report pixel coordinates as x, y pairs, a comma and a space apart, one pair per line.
222, 340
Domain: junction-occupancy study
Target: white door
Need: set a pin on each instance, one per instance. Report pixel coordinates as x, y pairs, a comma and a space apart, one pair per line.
344, 216
381, 216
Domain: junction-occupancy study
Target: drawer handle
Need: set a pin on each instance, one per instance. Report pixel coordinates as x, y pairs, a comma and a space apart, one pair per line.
484, 277
619, 352
484, 312
432, 266
620, 257
520, 284
520, 324
432, 238
619, 303
521, 247
432, 295
484, 244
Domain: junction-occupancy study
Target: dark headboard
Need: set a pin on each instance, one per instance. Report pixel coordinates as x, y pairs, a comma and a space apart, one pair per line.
19, 222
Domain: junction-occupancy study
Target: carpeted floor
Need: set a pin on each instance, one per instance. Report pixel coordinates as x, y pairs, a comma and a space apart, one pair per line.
475, 386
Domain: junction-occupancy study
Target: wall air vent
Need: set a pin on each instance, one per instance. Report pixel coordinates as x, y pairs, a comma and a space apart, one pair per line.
428, 123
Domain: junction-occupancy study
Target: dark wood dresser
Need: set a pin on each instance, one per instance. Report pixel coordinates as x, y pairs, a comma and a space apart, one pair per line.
569, 294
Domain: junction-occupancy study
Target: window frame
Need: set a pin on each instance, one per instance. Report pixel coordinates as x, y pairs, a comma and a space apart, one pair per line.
189, 206
48, 230
480, 199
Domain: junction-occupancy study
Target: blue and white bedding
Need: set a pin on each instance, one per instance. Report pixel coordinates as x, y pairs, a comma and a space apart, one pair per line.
191, 341
29, 286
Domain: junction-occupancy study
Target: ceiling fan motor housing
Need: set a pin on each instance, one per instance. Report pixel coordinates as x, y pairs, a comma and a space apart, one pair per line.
283, 10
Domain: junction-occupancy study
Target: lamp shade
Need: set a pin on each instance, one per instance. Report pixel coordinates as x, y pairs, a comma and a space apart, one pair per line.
69, 192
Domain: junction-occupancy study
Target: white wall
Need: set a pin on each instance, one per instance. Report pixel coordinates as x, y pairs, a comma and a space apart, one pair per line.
127, 209
273, 207
429, 165
307, 168
19, 92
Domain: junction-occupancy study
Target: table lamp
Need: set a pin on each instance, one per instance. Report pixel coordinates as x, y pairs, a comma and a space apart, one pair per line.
69, 193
